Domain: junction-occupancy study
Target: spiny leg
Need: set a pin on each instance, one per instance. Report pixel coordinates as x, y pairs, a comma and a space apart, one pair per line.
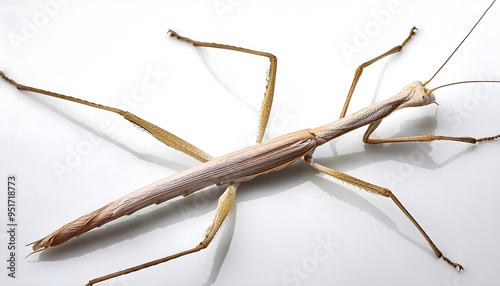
223, 208
420, 138
359, 70
271, 79
384, 192
164, 136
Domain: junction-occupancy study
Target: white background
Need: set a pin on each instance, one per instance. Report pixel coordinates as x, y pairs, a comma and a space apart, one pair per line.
103, 52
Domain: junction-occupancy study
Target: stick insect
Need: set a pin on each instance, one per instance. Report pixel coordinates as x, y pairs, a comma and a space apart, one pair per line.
312, 138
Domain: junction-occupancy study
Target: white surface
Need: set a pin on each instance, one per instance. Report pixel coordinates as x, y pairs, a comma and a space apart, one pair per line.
100, 52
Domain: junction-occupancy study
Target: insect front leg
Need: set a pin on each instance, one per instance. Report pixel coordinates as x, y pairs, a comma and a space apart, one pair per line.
421, 138
359, 70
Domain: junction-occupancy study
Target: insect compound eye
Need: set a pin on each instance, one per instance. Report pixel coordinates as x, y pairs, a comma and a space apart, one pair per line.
425, 99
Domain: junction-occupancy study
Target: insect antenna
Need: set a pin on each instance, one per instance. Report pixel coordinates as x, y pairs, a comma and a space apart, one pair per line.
462, 82
445, 62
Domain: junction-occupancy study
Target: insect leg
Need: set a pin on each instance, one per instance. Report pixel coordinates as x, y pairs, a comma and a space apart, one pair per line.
271, 79
359, 70
384, 192
223, 208
420, 138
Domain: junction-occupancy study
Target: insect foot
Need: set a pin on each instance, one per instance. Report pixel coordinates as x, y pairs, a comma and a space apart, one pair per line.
457, 266
488, 138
